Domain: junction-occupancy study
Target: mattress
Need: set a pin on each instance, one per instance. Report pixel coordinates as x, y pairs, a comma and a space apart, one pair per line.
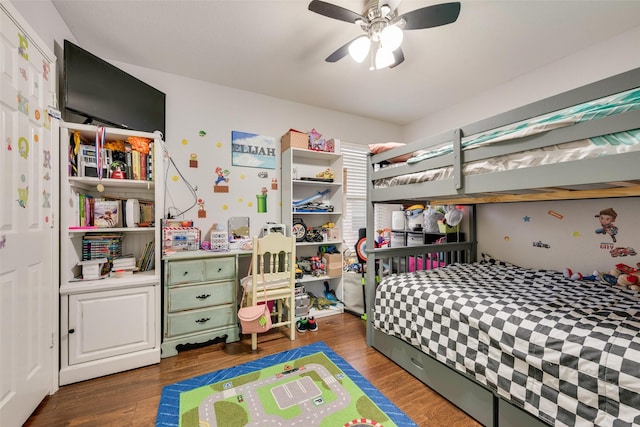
567, 352
616, 143
619, 143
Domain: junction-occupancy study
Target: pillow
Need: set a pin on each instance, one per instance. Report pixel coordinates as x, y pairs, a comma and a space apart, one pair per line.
384, 146
488, 259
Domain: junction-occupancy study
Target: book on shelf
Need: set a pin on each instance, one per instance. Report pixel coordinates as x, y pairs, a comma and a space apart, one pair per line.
143, 166
128, 160
135, 164
146, 212
106, 213
146, 261
150, 173
124, 262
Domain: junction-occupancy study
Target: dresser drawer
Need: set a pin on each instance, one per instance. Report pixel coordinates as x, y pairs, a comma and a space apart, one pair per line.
199, 296
220, 268
186, 272
200, 320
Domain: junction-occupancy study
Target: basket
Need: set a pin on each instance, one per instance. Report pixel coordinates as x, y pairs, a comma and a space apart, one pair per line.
293, 139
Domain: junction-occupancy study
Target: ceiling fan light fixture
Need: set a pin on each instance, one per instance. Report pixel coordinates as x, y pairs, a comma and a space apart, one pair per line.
359, 48
384, 58
391, 37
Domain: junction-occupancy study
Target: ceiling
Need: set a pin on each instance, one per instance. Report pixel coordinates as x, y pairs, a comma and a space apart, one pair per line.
277, 47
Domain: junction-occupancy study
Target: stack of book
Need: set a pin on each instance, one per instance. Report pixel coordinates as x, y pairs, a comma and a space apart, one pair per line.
104, 245
124, 265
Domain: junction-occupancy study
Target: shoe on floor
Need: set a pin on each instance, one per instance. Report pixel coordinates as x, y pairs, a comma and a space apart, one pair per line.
312, 325
302, 325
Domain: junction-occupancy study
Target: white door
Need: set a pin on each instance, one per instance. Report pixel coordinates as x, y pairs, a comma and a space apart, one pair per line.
28, 230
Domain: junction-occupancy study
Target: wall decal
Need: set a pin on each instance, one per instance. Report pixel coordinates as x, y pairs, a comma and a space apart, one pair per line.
254, 151
23, 196
202, 134
23, 45
8, 140
540, 244
45, 197
262, 200
274, 184
202, 213
607, 217
622, 251
263, 174
193, 160
46, 163
45, 70
218, 144
526, 218
576, 234
185, 142
3, 241
221, 178
174, 178
555, 214
23, 103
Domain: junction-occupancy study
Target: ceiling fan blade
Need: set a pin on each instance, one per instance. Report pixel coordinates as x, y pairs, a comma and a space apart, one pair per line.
341, 52
398, 55
431, 16
334, 11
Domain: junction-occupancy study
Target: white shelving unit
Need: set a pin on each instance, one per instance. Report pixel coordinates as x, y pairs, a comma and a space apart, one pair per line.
297, 164
112, 324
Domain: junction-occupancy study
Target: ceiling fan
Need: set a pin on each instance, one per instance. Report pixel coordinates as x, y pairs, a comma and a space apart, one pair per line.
383, 29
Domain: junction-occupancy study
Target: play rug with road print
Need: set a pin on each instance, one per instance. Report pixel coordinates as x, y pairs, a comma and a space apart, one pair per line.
308, 386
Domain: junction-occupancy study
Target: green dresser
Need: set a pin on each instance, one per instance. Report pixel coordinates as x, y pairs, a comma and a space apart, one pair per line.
199, 300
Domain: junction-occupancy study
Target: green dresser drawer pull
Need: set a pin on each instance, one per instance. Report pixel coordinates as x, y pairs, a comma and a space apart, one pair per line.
203, 296
203, 320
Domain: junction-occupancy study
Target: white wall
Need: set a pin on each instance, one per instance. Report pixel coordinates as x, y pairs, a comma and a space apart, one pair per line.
508, 231
602, 60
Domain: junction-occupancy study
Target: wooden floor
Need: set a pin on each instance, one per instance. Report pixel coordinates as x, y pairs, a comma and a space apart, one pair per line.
131, 398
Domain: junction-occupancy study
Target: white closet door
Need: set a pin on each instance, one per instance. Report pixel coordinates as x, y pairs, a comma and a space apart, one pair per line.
28, 233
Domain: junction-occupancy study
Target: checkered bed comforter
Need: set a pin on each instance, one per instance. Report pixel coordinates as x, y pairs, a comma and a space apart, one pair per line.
567, 352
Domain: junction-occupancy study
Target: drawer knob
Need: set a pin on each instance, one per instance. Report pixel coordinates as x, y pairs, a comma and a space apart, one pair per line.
203, 320
203, 296
185, 273
219, 269
71, 331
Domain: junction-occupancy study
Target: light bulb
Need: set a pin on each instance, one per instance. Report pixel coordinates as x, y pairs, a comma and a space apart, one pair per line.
391, 37
359, 48
384, 58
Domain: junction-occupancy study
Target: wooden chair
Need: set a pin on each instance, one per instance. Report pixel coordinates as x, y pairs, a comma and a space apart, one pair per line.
273, 269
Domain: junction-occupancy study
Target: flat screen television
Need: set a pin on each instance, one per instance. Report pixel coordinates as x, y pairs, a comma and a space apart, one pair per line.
103, 93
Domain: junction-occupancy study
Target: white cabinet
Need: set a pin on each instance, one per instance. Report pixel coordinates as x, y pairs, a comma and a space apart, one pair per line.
95, 333
301, 171
109, 324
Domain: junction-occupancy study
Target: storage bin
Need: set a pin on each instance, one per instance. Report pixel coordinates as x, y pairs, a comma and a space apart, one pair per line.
294, 139
397, 239
415, 238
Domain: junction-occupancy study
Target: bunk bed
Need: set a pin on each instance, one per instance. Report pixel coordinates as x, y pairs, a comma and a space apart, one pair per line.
513, 346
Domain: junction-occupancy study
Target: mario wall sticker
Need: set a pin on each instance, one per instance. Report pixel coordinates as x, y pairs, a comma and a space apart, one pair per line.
222, 177
607, 217
193, 160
